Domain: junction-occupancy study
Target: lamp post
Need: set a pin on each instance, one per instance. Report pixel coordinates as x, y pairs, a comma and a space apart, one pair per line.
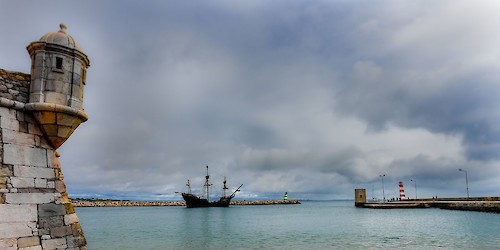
466, 181
383, 192
373, 193
415, 183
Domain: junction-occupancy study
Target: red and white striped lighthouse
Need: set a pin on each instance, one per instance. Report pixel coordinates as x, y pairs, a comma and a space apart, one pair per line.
401, 191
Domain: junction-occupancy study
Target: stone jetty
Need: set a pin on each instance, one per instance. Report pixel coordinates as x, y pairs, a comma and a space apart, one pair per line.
120, 203
468, 205
481, 204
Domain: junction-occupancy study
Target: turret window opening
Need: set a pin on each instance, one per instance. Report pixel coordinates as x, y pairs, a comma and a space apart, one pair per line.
59, 63
84, 76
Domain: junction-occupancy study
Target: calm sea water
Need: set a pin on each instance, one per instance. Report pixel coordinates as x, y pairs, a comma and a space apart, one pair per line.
311, 225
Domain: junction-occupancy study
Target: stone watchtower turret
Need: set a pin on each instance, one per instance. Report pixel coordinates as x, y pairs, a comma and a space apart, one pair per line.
359, 197
38, 113
58, 70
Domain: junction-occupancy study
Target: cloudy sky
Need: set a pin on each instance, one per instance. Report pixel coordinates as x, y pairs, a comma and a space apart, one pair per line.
314, 98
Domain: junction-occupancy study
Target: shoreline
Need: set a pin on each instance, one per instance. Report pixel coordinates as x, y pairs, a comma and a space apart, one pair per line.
120, 203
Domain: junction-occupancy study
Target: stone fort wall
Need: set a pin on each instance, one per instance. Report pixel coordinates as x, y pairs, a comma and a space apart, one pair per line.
35, 210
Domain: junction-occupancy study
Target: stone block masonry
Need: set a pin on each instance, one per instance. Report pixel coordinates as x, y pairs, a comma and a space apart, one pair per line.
35, 210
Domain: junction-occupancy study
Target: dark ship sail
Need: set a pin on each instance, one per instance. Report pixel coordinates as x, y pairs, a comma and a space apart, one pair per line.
196, 201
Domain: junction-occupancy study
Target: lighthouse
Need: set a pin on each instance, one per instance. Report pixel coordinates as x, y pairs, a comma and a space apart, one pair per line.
58, 72
401, 191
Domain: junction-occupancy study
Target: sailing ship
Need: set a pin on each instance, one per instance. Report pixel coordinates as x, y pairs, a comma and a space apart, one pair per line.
204, 201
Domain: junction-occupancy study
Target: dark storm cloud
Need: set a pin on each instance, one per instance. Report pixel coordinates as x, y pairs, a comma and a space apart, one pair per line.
311, 97
466, 105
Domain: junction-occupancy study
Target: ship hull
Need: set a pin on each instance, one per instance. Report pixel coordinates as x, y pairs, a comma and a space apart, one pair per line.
222, 202
193, 201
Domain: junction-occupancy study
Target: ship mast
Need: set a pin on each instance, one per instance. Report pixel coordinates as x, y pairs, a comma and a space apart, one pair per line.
224, 188
189, 186
207, 185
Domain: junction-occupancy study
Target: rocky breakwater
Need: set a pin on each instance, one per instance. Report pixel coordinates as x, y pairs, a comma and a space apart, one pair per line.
120, 203
117, 203
264, 202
